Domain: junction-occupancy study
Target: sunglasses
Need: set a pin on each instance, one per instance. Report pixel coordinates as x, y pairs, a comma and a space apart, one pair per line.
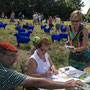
75, 21
43, 49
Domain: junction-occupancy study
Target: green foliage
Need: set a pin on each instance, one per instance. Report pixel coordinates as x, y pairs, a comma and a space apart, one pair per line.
88, 15
63, 8
75, 4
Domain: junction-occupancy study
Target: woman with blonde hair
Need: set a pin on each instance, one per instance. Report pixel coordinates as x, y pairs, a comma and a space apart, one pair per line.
78, 37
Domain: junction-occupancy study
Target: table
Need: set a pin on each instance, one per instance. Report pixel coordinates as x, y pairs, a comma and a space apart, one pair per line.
68, 73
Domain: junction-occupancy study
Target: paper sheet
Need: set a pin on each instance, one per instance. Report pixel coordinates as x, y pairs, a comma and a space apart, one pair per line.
66, 74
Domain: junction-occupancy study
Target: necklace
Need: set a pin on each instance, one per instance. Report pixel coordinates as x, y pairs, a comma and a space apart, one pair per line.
76, 30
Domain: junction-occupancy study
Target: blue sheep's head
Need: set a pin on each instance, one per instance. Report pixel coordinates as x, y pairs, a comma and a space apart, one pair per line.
16, 34
29, 31
45, 25
5, 23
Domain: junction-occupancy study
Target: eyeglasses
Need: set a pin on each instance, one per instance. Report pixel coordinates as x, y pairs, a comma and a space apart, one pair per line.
43, 49
75, 21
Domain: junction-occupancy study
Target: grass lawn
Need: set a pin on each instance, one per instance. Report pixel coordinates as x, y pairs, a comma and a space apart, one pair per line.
57, 51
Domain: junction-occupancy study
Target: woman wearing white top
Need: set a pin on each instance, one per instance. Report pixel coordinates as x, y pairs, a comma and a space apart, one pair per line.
40, 63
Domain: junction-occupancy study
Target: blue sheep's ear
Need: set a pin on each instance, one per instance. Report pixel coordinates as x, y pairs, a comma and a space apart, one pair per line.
30, 31
16, 34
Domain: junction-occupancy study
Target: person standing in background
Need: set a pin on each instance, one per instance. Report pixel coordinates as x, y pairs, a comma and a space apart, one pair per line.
12, 17
50, 22
21, 16
2, 14
39, 18
58, 24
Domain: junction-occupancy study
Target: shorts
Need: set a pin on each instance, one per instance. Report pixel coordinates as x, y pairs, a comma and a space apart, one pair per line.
57, 26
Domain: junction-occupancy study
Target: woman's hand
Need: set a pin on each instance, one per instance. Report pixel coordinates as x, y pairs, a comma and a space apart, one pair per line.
73, 50
55, 71
72, 83
47, 74
68, 43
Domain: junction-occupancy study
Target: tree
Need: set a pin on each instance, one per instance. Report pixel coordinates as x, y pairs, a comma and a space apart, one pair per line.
63, 8
88, 15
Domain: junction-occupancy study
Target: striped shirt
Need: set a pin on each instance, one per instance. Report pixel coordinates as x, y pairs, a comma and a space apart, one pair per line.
9, 78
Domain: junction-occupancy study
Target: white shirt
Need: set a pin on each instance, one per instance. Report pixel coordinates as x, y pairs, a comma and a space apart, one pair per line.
58, 20
42, 66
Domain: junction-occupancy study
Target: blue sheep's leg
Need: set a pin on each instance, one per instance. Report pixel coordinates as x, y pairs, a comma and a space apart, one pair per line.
32, 28
59, 41
61, 38
4, 27
49, 33
17, 44
52, 40
67, 38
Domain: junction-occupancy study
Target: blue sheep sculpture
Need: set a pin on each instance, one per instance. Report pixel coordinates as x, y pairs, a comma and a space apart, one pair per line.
88, 35
21, 39
43, 26
89, 53
28, 27
20, 29
59, 37
27, 34
89, 58
24, 26
63, 29
3, 25
47, 30
56, 37
64, 35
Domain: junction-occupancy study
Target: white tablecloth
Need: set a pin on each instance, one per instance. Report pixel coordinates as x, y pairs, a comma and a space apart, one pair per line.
67, 73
